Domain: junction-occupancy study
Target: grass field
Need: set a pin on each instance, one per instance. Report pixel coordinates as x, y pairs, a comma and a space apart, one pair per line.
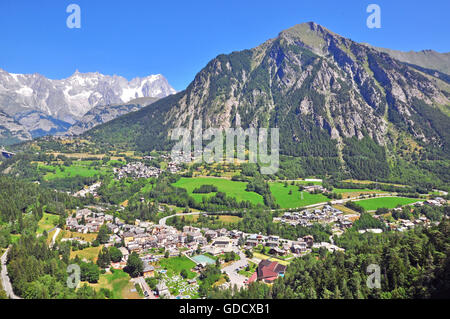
351, 190
47, 222
386, 202
356, 181
228, 219
345, 209
297, 198
264, 257
177, 264
231, 188
90, 253
68, 171
119, 283
90, 237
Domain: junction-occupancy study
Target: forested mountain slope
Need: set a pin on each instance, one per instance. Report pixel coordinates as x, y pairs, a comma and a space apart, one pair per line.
341, 106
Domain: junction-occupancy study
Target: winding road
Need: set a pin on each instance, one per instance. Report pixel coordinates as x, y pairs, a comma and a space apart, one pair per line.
162, 221
6, 283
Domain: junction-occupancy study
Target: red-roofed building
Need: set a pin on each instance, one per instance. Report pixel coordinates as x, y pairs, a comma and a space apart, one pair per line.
267, 271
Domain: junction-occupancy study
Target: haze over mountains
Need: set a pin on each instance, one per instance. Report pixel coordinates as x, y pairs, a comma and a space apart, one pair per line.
339, 104
429, 59
43, 106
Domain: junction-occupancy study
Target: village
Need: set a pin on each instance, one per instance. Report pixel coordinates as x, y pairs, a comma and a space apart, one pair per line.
203, 246
154, 242
326, 215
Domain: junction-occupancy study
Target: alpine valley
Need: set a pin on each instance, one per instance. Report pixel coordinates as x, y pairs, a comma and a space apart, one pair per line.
341, 107
358, 209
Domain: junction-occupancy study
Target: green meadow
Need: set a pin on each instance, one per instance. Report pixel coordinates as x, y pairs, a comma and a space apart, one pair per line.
119, 283
386, 202
54, 171
47, 222
177, 264
231, 188
297, 198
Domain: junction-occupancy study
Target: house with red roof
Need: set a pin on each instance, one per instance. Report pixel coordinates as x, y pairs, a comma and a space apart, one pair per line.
267, 271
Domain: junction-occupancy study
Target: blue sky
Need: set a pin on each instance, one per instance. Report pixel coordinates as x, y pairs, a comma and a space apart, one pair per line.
177, 38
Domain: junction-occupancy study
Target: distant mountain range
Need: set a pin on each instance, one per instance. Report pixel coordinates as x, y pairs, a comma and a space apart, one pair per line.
105, 113
42, 106
340, 105
428, 59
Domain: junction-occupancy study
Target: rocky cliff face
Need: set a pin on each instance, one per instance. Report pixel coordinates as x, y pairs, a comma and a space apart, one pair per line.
334, 100
312, 75
11, 131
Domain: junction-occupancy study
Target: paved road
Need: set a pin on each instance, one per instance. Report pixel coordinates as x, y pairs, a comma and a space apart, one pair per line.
54, 236
145, 287
162, 221
235, 278
5, 279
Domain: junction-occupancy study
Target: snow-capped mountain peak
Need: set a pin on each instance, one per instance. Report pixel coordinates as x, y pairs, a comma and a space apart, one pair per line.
45, 106
69, 99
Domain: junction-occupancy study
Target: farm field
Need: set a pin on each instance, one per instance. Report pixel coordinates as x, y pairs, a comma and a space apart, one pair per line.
386, 202
297, 198
228, 219
89, 237
345, 209
351, 190
54, 172
356, 181
231, 188
119, 283
177, 264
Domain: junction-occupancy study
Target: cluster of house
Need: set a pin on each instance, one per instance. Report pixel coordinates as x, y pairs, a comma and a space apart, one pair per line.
405, 224
137, 170
88, 190
280, 247
438, 202
180, 157
86, 221
143, 236
314, 188
308, 217
330, 247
